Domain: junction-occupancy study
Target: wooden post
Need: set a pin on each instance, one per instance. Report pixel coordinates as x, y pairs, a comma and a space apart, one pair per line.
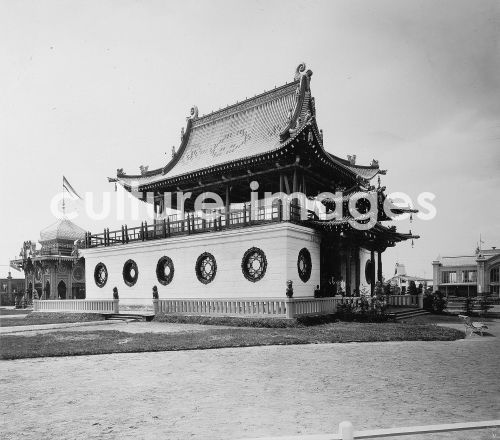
126, 234
346, 431
123, 235
168, 226
379, 267
244, 213
372, 275
188, 224
348, 272
282, 184
227, 206
164, 228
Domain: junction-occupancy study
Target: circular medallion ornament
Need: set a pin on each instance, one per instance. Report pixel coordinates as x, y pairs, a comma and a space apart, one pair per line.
130, 273
304, 265
165, 270
78, 273
254, 264
100, 275
38, 273
206, 268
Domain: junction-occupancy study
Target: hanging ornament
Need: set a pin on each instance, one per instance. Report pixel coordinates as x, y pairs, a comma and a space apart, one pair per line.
412, 243
411, 217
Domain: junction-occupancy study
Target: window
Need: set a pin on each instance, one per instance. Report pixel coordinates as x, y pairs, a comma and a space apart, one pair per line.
304, 265
100, 275
495, 275
206, 268
130, 273
165, 270
254, 264
449, 277
469, 276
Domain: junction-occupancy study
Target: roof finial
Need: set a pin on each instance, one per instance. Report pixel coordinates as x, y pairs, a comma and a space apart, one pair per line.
301, 68
193, 113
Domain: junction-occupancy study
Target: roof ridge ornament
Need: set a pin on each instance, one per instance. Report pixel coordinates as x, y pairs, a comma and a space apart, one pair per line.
193, 114
301, 73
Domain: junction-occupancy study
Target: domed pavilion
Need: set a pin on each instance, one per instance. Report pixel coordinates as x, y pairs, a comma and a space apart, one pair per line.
55, 271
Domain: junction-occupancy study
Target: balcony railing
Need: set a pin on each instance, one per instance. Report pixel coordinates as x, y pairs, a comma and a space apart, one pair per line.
194, 223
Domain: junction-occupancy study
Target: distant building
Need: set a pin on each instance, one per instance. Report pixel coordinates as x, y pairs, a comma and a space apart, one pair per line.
468, 275
402, 280
56, 271
9, 287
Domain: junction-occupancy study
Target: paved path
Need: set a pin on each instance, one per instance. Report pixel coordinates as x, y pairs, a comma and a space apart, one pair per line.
250, 392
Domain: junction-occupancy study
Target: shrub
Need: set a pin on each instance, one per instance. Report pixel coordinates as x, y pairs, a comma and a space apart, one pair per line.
412, 288
439, 302
428, 300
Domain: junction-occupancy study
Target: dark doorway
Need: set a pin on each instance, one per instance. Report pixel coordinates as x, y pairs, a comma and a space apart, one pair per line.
46, 290
61, 290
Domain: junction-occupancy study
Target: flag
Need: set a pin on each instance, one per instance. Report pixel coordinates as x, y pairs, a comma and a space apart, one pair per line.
67, 186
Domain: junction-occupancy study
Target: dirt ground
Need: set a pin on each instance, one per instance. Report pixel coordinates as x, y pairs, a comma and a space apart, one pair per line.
252, 392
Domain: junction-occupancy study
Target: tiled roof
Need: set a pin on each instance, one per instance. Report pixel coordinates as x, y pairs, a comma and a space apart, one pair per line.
366, 172
243, 131
62, 229
247, 129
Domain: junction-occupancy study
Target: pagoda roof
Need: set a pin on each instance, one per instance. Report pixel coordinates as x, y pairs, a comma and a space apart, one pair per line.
340, 224
244, 131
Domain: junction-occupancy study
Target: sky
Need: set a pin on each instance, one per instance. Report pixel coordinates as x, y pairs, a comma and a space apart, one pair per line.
92, 86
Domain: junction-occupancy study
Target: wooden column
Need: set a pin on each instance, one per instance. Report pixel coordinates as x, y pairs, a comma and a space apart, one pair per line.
372, 284
348, 272
379, 267
227, 205
294, 181
357, 263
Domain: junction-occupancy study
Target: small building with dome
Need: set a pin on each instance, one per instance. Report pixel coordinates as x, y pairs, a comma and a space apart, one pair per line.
55, 270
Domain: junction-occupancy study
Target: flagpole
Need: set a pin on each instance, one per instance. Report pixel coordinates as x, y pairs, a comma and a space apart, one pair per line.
64, 203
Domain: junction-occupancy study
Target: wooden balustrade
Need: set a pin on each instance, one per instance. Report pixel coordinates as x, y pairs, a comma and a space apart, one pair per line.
403, 300
193, 223
76, 305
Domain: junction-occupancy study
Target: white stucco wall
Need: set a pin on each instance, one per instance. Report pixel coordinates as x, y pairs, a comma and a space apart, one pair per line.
281, 243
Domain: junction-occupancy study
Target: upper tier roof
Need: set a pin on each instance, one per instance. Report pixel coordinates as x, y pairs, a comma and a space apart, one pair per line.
62, 229
251, 128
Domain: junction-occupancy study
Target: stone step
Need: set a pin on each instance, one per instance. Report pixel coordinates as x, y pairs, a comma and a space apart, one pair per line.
129, 317
398, 316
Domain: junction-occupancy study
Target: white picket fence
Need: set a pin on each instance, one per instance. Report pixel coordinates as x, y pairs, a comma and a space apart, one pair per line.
275, 307
76, 305
270, 307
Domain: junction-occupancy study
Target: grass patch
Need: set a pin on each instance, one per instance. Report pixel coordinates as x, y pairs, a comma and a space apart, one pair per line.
71, 343
231, 321
442, 319
40, 318
4, 311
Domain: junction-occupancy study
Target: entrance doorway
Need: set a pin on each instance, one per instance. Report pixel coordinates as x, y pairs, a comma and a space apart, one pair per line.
61, 290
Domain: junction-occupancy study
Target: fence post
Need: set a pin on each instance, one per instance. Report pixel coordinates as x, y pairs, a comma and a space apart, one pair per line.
155, 306
420, 300
290, 308
346, 431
